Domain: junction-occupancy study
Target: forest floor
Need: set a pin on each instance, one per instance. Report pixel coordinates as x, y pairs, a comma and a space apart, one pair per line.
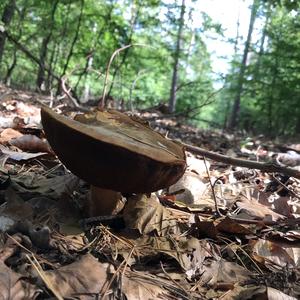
222, 232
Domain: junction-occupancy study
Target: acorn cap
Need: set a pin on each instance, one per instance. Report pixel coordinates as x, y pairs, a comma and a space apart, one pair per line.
111, 150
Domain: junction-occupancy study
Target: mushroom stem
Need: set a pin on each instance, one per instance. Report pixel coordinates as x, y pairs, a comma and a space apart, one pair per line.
103, 202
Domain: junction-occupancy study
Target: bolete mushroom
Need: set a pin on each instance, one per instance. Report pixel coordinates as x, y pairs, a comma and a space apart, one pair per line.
115, 152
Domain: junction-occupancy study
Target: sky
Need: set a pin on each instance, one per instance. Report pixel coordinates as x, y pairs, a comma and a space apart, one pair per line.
226, 12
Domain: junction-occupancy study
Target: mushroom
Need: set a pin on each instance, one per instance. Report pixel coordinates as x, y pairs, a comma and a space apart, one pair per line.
114, 152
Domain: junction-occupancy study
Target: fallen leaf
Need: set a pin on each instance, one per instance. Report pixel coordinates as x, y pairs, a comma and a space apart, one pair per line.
30, 184
8, 134
196, 165
31, 143
222, 271
275, 255
231, 226
193, 186
189, 252
14, 286
15, 207
291, 158
249, 204
138, 287
77, 280
18, 156
148, 215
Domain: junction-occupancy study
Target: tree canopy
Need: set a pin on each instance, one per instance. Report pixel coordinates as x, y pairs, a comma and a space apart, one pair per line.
44, 44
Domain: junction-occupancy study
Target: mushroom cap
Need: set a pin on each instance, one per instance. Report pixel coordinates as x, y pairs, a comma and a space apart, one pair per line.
111, 150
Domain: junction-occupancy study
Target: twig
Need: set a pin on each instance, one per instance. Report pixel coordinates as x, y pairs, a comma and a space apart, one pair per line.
44, 277
67, 92
102, 102
140, 74
265, 167
70, 97
180, 287
212, 189
285, 187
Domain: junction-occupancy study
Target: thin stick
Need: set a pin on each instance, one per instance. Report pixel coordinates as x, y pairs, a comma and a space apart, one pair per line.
212, 189
44, 277
102, 102
285, 187
265, 167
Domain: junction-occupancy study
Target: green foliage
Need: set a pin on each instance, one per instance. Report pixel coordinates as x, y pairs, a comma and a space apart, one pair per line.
78, 44
106, 26
273, 89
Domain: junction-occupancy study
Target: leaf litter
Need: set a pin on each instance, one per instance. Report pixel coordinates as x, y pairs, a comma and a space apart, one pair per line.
223, 232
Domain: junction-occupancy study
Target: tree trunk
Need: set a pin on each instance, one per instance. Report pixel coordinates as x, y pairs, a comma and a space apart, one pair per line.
233, 121
86, 92
44, 49
74, 40
11, 68
232, 71
256, 75
96, 38
134, 18
172, 100
7, 16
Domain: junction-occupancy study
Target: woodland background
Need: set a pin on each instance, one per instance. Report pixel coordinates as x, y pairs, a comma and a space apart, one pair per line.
43, 43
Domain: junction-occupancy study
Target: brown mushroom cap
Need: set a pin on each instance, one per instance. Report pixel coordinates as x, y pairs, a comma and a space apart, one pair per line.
111, 150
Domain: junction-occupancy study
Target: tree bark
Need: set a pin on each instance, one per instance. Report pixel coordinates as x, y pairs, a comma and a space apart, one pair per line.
261, 47
74, 40
44, 49
233, 121
29, 54
10, 69
172, 100
7, 16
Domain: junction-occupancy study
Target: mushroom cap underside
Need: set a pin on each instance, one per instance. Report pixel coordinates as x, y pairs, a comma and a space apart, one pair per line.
110, 150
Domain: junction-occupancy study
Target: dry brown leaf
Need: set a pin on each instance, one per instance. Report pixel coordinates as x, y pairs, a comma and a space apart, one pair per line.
274, 294
219, 271
283, 206
189, 252
255, 292
249, 204
291, 158
275, 255
84, 276
203, 228
245, 293
193, 186
89, 278
31, 143
135, 288
31, 184
13, 286
18, 156
148, 215
7, 134
15, 207
231, 226
196, 165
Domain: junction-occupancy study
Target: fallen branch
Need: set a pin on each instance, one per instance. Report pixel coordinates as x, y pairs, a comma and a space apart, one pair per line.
265, 167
